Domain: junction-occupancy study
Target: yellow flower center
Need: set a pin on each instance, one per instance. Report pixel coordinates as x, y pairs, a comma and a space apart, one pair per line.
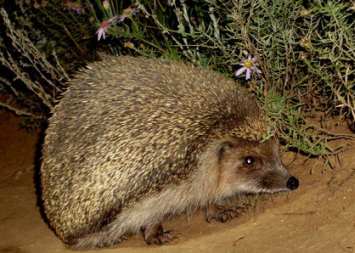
248, 63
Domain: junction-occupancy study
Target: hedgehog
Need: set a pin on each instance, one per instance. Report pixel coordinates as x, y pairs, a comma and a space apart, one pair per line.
134, 141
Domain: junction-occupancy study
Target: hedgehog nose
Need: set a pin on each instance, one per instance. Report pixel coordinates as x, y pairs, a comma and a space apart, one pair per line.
292, 183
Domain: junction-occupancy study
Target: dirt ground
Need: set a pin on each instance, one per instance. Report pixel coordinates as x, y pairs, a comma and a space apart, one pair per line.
318, 217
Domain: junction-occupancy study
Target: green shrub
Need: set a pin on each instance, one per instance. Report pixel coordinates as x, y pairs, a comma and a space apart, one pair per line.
304, 50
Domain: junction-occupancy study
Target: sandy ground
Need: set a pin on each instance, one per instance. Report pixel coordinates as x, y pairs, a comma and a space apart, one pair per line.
318, 217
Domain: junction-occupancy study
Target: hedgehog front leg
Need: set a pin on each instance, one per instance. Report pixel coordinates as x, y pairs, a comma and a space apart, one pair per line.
155, 234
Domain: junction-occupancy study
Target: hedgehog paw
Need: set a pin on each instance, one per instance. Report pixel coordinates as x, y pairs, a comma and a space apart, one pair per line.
155, 234
222, 214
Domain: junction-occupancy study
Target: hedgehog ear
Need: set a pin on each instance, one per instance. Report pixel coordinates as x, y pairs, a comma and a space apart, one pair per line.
223, 148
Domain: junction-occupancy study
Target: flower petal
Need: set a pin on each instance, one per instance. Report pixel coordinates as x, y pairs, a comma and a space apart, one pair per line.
98, 32
240, 71
248, 74
101, 34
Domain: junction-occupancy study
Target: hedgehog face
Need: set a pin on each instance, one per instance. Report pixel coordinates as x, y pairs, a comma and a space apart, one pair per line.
250, 166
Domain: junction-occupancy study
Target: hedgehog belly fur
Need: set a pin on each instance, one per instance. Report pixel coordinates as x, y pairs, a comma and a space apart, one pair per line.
201, 189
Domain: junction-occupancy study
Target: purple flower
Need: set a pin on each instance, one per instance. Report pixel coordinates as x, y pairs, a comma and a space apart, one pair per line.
101, 32
104, 25
249, 66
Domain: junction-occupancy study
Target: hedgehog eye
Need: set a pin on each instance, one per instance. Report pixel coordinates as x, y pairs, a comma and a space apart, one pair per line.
249, 160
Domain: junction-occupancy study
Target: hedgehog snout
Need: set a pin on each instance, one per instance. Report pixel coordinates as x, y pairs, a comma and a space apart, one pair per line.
292, 183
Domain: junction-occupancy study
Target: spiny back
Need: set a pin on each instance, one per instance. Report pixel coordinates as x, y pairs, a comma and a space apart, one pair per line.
126, 128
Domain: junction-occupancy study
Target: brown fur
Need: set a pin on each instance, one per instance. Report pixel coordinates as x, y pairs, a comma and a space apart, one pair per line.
134, 140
